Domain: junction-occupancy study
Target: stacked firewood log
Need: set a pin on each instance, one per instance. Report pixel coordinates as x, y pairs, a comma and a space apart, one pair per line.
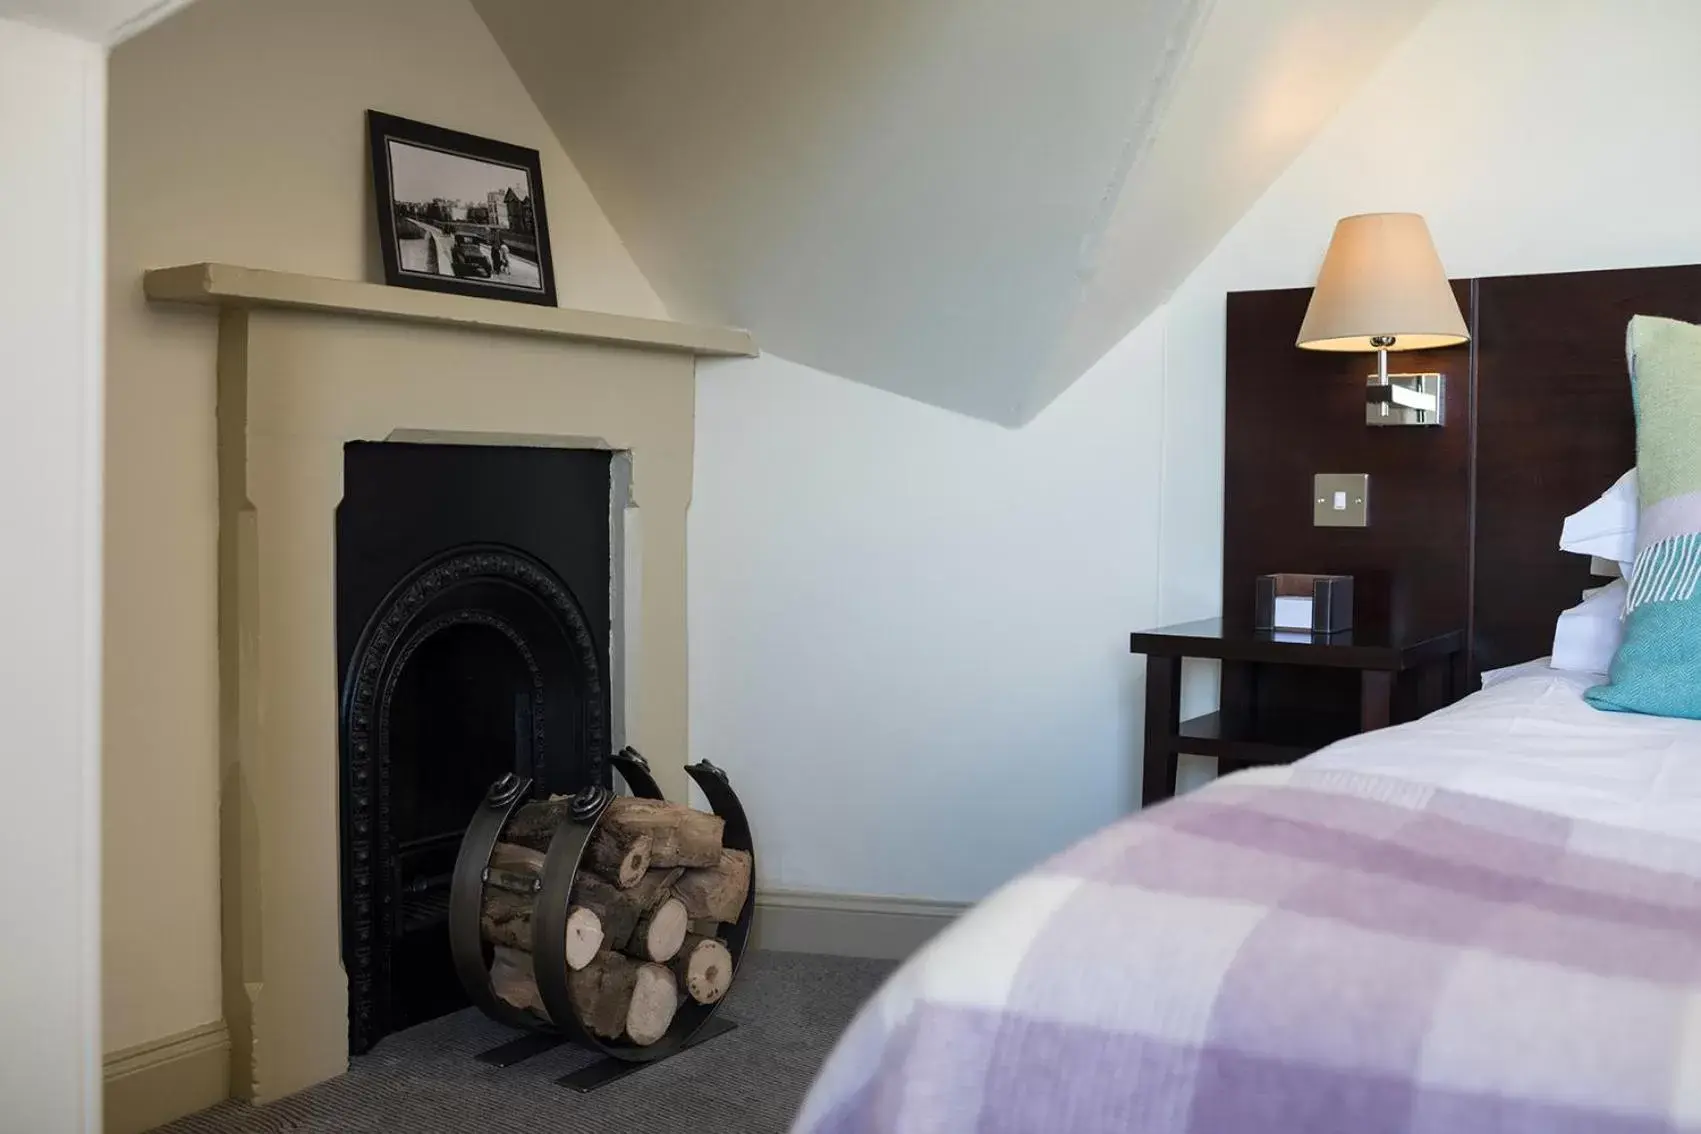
644, 921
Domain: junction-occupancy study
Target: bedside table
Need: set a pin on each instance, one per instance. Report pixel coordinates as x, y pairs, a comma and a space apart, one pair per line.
1248, 731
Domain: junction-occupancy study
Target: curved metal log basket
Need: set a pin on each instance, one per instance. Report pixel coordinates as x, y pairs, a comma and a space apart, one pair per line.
549, 921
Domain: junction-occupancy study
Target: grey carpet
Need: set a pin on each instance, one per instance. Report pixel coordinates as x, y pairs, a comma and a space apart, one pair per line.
790, 1009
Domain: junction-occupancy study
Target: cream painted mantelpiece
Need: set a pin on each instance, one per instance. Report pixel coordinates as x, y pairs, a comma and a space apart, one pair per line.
231, 286
304, 366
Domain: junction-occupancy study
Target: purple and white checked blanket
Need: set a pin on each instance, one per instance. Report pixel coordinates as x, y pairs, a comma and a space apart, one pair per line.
1296, 949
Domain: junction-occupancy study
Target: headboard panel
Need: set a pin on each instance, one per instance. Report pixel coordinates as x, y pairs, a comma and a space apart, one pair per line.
1554, 427
1293, 413
1464, 519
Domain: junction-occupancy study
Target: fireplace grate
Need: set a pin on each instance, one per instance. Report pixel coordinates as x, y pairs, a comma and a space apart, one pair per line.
424, 909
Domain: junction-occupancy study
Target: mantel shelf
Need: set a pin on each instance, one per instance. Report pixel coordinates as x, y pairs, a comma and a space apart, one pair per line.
227, 285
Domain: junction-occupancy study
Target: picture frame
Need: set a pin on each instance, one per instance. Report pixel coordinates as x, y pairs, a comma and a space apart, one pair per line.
458, 213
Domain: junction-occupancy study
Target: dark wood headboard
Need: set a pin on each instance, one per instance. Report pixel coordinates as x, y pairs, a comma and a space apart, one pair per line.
1464, 519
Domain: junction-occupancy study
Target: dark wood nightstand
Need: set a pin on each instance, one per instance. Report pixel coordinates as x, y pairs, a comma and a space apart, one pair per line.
1249, 730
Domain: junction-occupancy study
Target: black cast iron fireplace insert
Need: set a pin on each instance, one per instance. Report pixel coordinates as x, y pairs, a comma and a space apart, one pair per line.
473, 616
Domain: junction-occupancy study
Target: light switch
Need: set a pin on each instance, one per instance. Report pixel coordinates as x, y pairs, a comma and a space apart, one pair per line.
1340, 500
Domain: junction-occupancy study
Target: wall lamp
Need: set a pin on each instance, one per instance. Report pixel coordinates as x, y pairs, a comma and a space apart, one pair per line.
1382, 288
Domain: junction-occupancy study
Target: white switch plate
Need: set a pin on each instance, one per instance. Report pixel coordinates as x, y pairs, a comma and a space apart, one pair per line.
1340, 500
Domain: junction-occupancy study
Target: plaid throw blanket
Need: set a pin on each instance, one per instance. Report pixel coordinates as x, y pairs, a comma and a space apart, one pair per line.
1300, 950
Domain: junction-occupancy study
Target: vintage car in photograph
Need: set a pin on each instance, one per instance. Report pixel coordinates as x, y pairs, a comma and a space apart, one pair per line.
471, 255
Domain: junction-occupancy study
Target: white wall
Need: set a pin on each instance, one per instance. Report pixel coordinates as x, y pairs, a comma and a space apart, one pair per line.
909, 629
52, 122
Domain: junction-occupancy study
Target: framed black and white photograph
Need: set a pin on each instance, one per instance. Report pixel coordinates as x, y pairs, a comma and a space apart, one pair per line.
460, 213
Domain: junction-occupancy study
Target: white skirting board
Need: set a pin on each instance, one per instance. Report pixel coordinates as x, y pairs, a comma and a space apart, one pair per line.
848, 925
153, 1083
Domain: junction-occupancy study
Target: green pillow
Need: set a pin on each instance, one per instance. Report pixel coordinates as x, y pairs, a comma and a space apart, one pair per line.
1657, 669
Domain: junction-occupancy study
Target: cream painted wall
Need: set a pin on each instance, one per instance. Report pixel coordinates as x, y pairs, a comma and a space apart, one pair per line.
238, 133
52, 112
908, 630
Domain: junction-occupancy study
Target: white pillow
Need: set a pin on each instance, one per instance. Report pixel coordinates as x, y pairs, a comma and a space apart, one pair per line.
1587, 636
1606, 529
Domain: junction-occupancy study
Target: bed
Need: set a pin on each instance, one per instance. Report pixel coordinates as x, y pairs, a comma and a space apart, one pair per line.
1487, 919
1529, 739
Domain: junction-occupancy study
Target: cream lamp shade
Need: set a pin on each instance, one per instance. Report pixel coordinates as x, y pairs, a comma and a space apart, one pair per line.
1382, 288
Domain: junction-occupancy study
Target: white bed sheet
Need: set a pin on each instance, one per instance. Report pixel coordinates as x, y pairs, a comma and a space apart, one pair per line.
1531, 739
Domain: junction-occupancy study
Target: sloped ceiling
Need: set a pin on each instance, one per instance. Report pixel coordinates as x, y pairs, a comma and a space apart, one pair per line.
962, 201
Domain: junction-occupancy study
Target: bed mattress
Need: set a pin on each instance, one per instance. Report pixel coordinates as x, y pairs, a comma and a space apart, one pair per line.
1531, 739
1489, 920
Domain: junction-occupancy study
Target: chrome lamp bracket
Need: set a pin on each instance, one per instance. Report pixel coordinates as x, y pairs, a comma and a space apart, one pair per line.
1405, 399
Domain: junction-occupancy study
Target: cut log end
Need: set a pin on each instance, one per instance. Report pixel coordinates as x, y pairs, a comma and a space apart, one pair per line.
620, 855
584, 937
655, 998
661, 931
616, 997
617, 909
704, 969
633, 866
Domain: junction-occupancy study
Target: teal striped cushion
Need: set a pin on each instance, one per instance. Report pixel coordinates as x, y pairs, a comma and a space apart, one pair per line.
1658, 668
1666, 572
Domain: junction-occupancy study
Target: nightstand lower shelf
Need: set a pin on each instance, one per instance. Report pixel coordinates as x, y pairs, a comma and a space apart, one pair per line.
1236, 747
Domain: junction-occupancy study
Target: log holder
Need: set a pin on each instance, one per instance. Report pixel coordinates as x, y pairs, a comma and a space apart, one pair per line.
693, 1024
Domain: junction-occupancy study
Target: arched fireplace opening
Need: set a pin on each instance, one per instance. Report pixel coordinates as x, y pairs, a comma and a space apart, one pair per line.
478, 659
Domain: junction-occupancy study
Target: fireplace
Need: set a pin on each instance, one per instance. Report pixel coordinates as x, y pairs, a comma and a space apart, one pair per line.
473, 607
488, 410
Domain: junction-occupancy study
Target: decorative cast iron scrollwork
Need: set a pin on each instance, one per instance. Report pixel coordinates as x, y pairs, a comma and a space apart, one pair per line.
391, 637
